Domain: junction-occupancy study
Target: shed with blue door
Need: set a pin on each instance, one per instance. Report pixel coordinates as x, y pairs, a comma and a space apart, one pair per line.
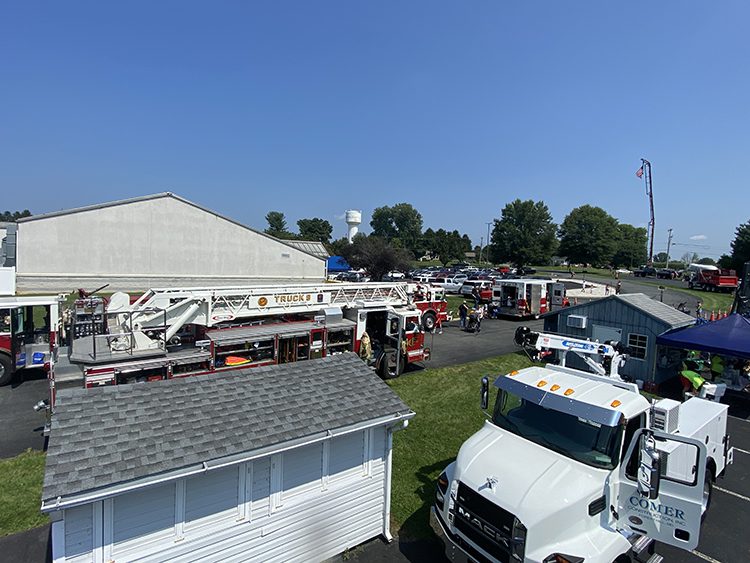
633, 319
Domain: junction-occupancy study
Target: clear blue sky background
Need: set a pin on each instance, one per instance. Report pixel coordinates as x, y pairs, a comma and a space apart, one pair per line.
312, 108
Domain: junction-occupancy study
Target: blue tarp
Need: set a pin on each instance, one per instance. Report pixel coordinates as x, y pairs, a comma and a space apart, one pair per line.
729, 336
338, 264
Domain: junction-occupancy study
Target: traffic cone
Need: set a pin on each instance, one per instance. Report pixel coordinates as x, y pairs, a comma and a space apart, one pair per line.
712, 317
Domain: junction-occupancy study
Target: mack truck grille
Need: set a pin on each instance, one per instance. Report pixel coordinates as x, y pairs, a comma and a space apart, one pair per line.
486, 524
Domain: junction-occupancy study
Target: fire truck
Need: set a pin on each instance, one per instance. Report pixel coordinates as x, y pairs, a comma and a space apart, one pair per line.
574, 466
29, 329
177, 332
430, 299
711, 278
523, 298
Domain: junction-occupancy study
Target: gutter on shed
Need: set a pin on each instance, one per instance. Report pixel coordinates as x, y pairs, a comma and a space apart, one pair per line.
58, 503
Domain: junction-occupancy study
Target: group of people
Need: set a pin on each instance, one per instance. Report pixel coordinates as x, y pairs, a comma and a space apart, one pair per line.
717, 368
470, 318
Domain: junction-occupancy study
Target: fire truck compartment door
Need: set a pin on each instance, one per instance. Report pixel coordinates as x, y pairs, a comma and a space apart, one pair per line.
535, 293
673, 516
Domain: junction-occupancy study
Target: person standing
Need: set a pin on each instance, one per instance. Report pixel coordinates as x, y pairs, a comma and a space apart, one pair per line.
699, 309
476, 295
463, 311
618, 288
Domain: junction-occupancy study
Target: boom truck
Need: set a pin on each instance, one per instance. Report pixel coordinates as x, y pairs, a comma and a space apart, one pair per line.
177, 332
574, 467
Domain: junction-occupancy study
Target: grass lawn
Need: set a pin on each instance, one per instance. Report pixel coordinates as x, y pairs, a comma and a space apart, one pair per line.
21, 492
446, 401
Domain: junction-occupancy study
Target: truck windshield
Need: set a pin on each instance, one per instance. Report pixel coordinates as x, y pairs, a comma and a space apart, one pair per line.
583, 440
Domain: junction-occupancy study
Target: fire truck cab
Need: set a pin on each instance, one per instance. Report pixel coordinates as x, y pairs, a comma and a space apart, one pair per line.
29, 328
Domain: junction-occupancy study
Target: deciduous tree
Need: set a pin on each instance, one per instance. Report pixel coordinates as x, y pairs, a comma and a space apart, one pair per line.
315, 229
589, 235
524, 234
376, 255
401, 224
13, 216
631, 247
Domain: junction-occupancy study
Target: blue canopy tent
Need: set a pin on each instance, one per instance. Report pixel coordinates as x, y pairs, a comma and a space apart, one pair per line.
338, 264
729, 336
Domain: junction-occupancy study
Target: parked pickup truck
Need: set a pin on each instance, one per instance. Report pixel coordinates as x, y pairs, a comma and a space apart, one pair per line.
644, 271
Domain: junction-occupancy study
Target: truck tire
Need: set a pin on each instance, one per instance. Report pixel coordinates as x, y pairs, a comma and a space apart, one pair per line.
428, 321
6, 369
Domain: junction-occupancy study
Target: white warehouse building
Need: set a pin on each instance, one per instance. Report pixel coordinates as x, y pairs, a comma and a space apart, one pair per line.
151, 241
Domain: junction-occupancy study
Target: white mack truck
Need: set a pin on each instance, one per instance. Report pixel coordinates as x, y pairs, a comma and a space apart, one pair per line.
579, 467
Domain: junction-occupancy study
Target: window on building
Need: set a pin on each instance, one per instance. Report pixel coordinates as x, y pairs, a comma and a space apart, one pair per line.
638, 344
212, 496
302, 470
347, 456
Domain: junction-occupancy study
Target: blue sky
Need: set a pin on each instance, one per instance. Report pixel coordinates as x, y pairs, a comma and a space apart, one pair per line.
312, 108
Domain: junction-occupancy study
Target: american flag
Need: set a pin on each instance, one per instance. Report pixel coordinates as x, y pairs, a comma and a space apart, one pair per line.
639, 173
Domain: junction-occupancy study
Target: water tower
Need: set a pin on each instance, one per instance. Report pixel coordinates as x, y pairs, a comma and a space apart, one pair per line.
353, 219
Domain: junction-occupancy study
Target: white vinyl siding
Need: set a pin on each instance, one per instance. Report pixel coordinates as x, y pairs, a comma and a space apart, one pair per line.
302, 470
79, 533
211, 497
347, 456
312, 524
142, 517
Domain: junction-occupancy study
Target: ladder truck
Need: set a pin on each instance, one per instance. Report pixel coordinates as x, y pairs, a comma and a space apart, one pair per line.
574, 466
176, 332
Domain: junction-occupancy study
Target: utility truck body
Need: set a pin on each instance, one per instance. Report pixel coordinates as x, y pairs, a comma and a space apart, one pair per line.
576, 466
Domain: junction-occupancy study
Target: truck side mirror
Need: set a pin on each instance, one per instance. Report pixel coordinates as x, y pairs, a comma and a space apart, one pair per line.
649, 469
485, 401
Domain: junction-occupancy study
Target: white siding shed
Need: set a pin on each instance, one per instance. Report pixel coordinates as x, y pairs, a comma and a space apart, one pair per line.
304, 472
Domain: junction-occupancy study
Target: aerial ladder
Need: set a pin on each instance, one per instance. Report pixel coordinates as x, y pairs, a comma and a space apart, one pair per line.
148, 325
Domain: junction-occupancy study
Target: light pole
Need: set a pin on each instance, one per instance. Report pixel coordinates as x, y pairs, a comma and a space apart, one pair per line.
487, 254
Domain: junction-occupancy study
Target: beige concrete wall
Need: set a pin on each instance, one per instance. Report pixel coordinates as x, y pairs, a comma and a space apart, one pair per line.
152, 242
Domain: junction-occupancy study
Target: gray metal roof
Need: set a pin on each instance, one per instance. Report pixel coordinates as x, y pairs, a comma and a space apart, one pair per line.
311, 247
161, 195
130, 434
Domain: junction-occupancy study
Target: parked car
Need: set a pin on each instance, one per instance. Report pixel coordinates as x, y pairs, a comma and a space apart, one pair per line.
353, 277
666, 273
449, 284
645, 271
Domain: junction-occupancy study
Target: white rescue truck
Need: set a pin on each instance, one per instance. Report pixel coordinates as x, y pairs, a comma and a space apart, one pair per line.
579, 467
176, 332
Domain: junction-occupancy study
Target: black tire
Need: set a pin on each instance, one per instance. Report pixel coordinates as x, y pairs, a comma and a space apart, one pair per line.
429, 320
388, 367
6, 369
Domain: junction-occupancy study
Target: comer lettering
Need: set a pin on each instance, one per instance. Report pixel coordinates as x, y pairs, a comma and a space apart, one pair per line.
659, 508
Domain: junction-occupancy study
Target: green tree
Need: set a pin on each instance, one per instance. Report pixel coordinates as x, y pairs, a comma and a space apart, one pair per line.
631, 247
725, 261
400, 224
589, 235
338, 246
741, 246
448, 246
277, 225
13, 216
707, 261
524, 234
376, 255
690, 258
315, 229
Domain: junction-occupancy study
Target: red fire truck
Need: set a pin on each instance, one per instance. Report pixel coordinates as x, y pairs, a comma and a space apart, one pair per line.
177, 332
29, 329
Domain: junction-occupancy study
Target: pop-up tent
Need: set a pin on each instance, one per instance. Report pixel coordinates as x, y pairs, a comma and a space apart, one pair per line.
338, 264
729, 336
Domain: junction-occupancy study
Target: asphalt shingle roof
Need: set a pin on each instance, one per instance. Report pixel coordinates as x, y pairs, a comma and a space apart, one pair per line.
657, 309
111, 435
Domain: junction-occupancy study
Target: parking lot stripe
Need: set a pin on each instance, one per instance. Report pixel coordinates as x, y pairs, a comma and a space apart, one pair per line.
739, 419
727, 491
705, 557
736, 449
